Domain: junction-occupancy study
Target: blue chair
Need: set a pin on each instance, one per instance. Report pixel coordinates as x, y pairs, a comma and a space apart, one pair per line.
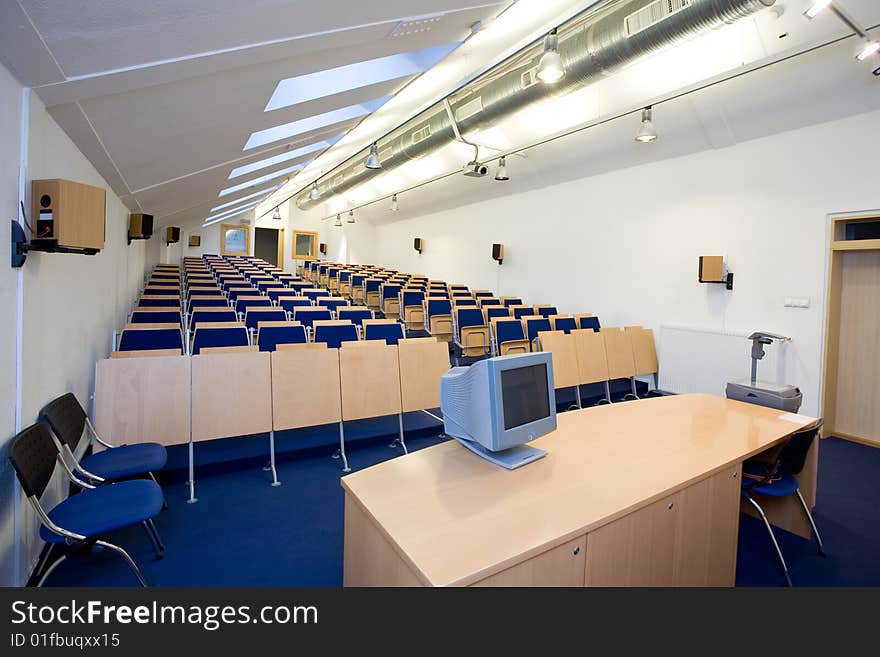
372, 289
234, 293
389, 296
269, 337
69, 421
438, 318
307, 316
299, 286
291, 303
589, 323
512, 301
546, 311
391, 333
333, 335
86, 518
332, 303
159, 303
489, 301
475, 341
465, 301
777, 479
313, 294
219, 336
245, 302
522, 311
202, 315
495, 311
254, 315
535, 325
412, 310
149, 339
208, 302
354, 315
155, 317
276, 293
483, 294
508, 337
564, 324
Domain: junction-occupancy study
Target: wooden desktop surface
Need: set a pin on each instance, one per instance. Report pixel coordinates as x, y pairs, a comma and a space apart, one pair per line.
456, 519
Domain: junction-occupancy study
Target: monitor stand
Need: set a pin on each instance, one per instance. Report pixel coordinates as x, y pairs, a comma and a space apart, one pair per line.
511, 458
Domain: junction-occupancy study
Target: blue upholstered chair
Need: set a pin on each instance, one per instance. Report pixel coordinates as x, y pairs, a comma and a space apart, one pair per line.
546, 311
492, 312
170, 302
508, 337
269, 337
203, 314
534, 325
391, 333
333, 335
254, 315
221, 335
148, 339
354, 315
307, 316
564, 324
589, 323
155, 317
512, 301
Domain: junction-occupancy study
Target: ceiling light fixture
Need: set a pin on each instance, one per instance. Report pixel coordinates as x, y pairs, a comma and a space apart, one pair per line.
501, 174
350, 219
647, 133
338, 223
817, 7
373, 158
869, 49
277, 214
550, 68
313, 193
395, 206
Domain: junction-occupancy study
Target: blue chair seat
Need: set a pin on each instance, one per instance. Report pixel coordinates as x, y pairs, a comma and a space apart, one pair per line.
126, 461
779, 487
104, 509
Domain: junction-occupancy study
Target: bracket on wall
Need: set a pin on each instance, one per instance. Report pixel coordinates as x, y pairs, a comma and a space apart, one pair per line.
20, 246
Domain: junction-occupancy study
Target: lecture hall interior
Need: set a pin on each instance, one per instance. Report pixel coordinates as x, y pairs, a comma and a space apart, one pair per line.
512, 293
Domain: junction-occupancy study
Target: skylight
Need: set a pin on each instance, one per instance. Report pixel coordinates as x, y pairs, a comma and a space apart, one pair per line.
310, 86
268, 190
310, 123
233, 212
259, 181
284, 157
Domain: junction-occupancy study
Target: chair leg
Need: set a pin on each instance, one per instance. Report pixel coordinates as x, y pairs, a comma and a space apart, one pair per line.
49, 570
44, 558
157, 548
772, 536
164, 503
155, 531
125, 555
812, 523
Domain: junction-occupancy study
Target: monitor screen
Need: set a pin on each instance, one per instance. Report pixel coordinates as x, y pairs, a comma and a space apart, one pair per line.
524, 395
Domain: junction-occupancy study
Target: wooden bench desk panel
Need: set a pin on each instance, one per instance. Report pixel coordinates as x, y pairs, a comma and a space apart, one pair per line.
455, 519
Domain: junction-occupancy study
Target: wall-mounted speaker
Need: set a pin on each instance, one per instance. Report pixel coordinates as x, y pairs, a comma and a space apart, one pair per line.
498, 253
172, 235
322, 247
140, 226
418, 244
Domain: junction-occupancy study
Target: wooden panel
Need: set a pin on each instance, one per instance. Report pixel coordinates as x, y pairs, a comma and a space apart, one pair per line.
561, 566
644, 350
370, 560
618, 350
298, 346
305, 388
564, 355
370, 378
857, 411
231, 395
636, 550
474, 340
423, 361
229, 350
592, 362
142, 400
149, 353
856, 245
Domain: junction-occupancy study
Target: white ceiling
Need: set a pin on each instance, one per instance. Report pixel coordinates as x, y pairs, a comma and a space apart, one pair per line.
161, 95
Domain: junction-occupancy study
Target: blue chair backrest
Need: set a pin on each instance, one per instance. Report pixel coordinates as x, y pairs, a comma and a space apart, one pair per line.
534, 326
241, 305
513, 302
149, 339
204, 291
439, 307
252, 316
522, 312
354, 315
290, 304
242, 291
213, 302
155, 317
197, 316
508, 331
234, 282
299, 286
334, 336
373, 284
158, 291
489, 301
546, 311
277, 292
469, 317
332, 304
158, 303
438, 293
269, 337
314, 294
322, 269
344, 276
466, 302
590, 323
496, 311
309, 315
357, 280
483, 295
412, 298
390, 291
391, 333
264, 285
219, 337
566, 324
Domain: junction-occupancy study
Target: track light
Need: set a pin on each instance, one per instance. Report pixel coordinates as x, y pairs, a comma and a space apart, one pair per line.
817, 6
350, 219
647, 133
869, 49
276, 215
338, 223
501, 174
373, 158
550, 68
395, 206
313, 193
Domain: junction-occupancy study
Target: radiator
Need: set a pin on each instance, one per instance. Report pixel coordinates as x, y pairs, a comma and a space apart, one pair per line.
704, 360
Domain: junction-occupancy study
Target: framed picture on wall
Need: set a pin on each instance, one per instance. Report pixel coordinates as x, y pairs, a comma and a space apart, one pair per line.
195, 240
235, 240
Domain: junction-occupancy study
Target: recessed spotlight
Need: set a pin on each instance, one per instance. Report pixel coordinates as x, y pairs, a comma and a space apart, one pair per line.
647, 133
869, 49
313, 192
816, 7
373, 158
395, 206
501, 174
550, 67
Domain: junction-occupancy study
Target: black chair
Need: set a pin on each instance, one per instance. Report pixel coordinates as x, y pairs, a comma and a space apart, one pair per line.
777, 479
86, 518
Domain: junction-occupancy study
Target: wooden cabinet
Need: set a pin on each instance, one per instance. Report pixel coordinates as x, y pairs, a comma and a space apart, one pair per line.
560, 566
685, 539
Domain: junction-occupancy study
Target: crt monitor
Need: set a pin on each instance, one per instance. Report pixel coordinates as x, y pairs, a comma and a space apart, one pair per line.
497, 405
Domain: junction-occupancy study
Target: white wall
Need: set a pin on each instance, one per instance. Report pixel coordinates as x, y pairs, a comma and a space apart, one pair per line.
625, 245
71, 305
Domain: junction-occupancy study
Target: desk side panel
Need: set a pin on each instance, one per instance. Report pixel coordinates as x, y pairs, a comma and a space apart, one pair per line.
561, 566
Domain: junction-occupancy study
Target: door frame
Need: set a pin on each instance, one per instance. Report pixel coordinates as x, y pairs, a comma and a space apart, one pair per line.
837, 247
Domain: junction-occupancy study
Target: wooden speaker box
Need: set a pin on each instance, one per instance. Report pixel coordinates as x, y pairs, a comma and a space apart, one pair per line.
140, 226
67, 213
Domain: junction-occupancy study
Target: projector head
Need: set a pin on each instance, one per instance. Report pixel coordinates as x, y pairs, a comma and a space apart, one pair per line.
475, 170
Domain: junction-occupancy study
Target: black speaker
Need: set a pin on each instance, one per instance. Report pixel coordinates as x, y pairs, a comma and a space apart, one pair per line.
418, 244
498, 253
172, 235
140, 226
322, 248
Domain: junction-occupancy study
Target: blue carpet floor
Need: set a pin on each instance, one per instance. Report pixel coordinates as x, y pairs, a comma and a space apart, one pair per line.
242, 532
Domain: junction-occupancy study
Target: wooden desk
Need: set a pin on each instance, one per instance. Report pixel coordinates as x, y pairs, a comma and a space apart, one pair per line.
638, 493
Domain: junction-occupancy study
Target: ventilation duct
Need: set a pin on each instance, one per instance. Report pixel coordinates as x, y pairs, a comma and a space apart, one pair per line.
591, 47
